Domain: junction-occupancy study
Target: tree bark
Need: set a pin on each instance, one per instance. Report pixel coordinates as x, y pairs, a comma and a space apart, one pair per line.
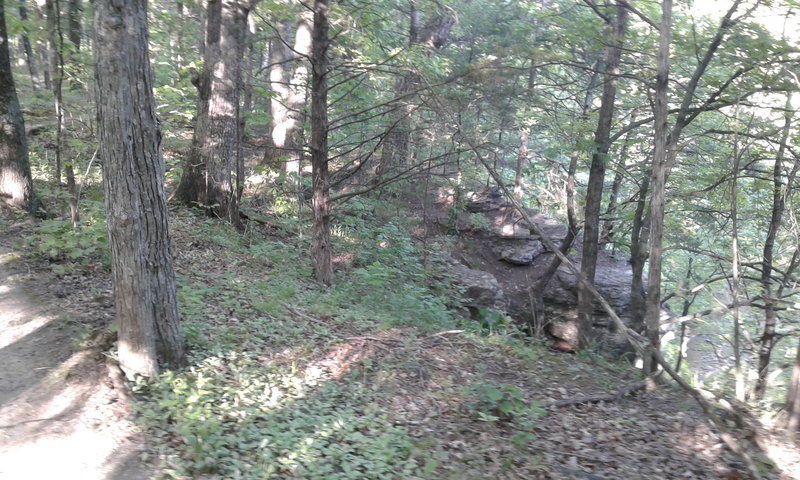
433, 35
640, 236
658, 180
74, 10
289, 78
30, 57
522, 155
793, 398
209, 174
133, 176
16, 185
594, 193
321, 246
768, 339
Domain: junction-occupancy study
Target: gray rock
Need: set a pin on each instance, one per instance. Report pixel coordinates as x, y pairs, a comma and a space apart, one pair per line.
518, 252
481, 289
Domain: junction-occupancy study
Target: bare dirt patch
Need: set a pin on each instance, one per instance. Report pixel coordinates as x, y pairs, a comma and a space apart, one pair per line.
63, 414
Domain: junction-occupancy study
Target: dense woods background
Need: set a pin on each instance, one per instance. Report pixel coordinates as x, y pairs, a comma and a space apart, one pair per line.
319, 158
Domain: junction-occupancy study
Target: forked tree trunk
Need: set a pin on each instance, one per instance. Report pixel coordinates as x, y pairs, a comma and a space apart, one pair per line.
16, 185
321, 241
597, 171
209, 174
133, 180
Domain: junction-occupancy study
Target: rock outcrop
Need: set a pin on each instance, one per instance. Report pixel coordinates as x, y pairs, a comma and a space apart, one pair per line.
499, 243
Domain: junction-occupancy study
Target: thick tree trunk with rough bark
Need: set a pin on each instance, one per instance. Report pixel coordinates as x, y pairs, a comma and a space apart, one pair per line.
209, 174
16, 186
133, 176
594, 193
321, 241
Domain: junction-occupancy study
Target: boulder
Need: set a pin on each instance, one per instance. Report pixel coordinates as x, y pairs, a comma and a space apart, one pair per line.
518, 252
481, 289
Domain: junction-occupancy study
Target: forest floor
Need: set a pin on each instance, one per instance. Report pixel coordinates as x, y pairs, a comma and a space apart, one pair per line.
457, 404
62, 413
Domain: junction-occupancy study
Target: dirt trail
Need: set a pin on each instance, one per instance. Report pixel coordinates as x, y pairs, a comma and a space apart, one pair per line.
61, 414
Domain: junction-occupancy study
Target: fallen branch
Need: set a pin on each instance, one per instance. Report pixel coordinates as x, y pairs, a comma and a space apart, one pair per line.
302, 316
608, 397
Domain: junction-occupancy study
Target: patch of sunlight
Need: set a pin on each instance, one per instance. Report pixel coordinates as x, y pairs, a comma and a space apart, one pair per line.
59, 424
8, 257
18, 319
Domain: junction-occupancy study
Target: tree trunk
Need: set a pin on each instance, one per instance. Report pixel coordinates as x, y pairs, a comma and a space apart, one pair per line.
209, 172
640, 235
793, 398
321, 246
133, 179
661, 153
16, 185
74, 10
56, 74
291, 85
768, 339
279, 59
434, 35
734, 281
522, 155
30, 57
594, 193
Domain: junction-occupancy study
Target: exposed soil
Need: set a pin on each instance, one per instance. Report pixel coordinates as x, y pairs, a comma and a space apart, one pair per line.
63, 412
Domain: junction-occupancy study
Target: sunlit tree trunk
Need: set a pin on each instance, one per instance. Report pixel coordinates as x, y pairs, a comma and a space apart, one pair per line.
16, 185
594, 193
133, 179
289, 79
209, 174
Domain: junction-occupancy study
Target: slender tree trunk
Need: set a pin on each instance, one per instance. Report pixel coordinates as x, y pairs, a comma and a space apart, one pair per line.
133, 175
321, 246
607, 233
661, 154
74, 12
30, 57
737, 324
594, 193
522, 155
768, 339
56, 68
640, 235
16, 185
